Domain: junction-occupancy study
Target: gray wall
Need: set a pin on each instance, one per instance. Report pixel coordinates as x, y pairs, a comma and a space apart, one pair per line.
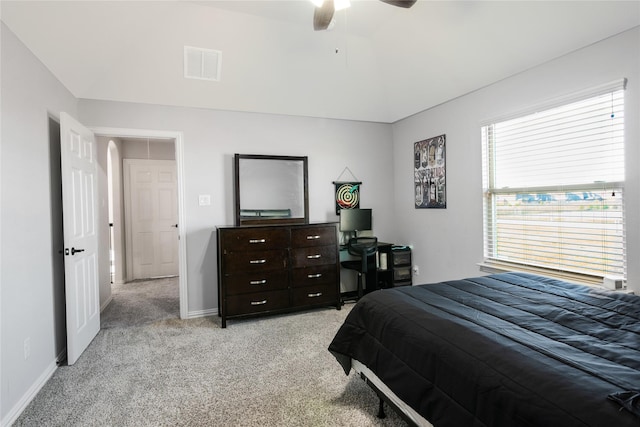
30, 97
448, 242
210, 138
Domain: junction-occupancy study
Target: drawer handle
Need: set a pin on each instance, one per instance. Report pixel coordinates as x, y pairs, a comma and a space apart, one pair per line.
316, 256
314, 276
258, 282
313, 237
257, 240
317, 294
264, 301
257, 261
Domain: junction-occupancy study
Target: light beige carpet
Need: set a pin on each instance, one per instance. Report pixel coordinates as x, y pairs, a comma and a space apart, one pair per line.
147, 367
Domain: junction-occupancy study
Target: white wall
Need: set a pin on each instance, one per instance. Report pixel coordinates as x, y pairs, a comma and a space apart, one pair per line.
448, 242
30, 96
210, 140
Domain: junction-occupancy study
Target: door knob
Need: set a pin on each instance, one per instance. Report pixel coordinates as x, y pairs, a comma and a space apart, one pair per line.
74, 251
175, 225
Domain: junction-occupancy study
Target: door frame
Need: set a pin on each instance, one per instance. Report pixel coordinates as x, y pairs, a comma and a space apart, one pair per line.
182, 240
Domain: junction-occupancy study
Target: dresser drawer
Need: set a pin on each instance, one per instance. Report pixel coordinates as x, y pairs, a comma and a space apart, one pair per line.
254, 238
262, 268
260, 281
257, 302
255, 261
313, 295
313, 275
307, 257
401, 274
313, 236
401, 257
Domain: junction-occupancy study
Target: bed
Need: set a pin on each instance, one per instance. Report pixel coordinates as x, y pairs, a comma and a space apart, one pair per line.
510, 349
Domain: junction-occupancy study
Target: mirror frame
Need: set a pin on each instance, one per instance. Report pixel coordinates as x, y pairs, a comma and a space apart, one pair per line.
239, 220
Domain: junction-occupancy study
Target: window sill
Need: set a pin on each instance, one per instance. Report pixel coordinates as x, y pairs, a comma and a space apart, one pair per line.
493, 267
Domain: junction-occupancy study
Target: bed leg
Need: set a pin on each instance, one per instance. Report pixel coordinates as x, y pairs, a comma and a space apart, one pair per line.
381, 413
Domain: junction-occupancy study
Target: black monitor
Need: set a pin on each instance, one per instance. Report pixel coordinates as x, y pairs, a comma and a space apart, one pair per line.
354, 220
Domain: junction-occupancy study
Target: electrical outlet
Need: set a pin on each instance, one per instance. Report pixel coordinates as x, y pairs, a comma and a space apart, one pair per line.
204, 200
27, 348
416, 270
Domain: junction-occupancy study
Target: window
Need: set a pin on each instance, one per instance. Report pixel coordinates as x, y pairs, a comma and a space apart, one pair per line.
553, 185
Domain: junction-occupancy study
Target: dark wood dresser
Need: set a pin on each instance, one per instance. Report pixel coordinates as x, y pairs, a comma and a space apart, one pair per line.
277, 268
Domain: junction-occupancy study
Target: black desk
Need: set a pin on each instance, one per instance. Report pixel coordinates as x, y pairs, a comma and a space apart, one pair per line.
375, 279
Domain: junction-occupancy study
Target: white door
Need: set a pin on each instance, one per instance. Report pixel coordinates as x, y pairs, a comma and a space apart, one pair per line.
151, 209
79, 202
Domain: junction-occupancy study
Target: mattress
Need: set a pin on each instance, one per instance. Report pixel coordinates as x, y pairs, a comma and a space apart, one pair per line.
509, 349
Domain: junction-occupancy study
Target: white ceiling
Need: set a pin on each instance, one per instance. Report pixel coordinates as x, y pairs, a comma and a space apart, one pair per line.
379, 63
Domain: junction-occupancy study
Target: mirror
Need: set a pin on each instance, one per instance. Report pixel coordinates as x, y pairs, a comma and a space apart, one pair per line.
271, 189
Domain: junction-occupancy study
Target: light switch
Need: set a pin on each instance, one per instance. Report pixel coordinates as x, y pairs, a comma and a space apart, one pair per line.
204, 199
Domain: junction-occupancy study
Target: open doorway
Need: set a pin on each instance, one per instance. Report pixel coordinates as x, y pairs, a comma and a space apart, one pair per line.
109, 163
142, 179
122, 148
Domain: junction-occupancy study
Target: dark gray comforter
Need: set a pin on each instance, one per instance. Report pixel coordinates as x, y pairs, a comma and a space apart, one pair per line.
508, 350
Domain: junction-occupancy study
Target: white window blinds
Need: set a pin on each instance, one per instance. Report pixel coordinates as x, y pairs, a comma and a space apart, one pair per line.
553, 186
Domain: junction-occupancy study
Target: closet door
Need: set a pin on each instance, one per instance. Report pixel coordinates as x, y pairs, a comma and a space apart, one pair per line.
152, 218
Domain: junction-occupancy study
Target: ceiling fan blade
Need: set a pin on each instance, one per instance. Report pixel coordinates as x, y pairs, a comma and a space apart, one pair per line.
323, 15
400, 3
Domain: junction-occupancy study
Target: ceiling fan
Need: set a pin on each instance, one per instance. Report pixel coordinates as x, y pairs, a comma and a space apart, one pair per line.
324, 14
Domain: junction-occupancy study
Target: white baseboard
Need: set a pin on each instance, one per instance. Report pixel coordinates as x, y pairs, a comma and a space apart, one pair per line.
20, 406
202, 313
106, 303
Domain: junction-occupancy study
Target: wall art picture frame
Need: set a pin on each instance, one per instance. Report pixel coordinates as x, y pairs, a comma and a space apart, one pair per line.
429, 161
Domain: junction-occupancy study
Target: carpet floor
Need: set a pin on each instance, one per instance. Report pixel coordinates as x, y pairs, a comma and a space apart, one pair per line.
147, 367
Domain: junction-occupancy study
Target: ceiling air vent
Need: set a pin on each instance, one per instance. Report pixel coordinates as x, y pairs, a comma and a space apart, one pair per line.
202, 64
